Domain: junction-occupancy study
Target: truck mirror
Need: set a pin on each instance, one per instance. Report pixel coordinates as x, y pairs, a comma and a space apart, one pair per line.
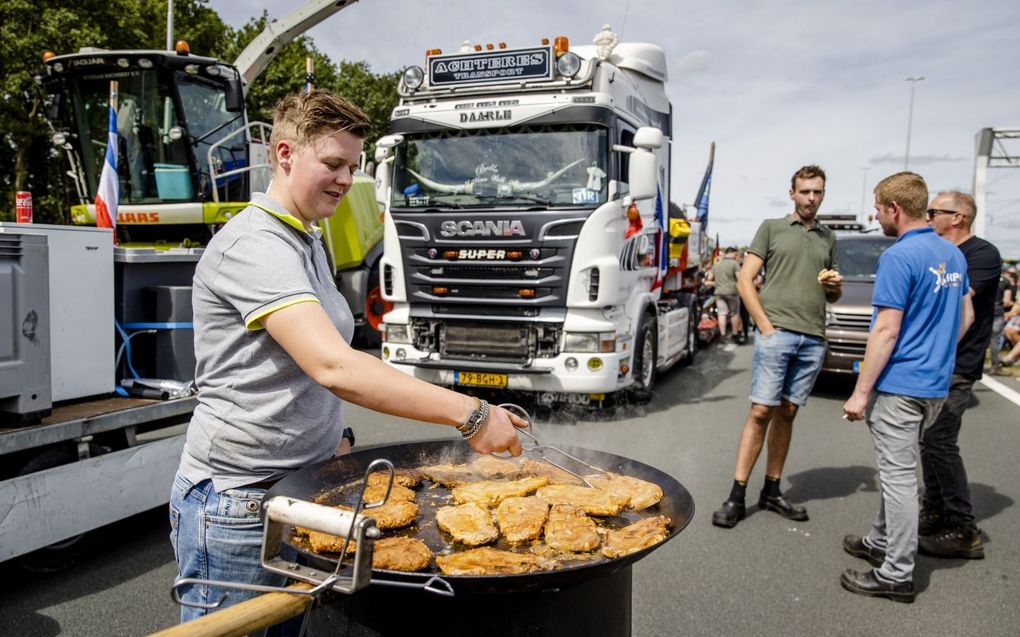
382, 182
642, 175
234, 98
648, 137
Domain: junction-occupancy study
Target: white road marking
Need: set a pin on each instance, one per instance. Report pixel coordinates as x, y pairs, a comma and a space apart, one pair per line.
1008, 393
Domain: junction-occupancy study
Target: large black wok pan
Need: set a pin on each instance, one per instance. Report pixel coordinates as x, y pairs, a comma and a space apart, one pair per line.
306, 483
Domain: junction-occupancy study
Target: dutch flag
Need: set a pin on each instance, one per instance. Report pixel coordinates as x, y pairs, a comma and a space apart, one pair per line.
107, 194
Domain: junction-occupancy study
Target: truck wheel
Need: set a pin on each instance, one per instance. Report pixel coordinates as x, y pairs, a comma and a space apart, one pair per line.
59, 555
692, 336
375, 308
643, 364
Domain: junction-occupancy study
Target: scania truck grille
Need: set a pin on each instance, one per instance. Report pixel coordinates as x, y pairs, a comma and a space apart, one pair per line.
488, 341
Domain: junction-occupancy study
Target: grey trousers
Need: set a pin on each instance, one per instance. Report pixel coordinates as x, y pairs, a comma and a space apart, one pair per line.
895, 423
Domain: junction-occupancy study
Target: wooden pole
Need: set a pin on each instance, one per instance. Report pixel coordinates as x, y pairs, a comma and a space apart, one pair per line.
243, 618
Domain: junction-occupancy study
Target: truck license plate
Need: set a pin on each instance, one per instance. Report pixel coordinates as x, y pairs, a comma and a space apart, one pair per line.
480, 379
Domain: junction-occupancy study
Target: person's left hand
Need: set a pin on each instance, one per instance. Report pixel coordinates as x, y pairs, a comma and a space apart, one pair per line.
833, 283
498, 433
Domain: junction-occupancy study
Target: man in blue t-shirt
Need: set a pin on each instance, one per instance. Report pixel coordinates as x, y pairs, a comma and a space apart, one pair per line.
922, 307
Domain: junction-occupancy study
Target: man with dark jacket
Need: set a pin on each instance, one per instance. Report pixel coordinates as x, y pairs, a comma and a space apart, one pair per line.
946, 526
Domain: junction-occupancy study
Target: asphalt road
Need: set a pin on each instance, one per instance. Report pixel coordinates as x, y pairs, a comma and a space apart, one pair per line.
767, 576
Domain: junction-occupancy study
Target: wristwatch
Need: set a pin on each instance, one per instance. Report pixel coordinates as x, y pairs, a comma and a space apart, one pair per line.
349, 434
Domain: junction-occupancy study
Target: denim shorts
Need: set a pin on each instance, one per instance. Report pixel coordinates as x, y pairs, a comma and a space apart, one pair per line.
217, 536
785, 367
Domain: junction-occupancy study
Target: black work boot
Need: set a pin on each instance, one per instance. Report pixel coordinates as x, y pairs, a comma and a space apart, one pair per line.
929, 522
954, 541
782, 506
731, 512
854, 545
867, 583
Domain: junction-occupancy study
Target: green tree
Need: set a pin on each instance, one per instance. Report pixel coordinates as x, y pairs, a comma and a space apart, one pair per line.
27, 29
374, 94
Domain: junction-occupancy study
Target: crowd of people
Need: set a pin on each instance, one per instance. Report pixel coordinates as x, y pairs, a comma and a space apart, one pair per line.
941, 298
1006, 325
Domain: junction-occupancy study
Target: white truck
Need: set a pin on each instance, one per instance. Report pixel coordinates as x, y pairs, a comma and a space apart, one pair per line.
528, 241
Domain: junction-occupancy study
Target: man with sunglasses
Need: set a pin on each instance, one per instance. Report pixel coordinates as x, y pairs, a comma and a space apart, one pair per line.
946, 525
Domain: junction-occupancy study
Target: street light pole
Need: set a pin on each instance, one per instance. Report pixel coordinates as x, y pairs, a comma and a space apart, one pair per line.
913, 79
864, 189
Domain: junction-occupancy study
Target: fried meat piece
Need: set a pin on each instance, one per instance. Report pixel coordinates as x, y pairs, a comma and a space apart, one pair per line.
449, 475
637, 536
401, 554
593, 501
469, 523
489, 493
569, 529
394, 514
490, 561
521, 519
326, 543
404, 477
556, 475
489, 467
375, 492
389, 553
641, 493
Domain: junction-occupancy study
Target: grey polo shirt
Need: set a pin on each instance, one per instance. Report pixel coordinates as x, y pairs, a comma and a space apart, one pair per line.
725, 275
259, 416
793, 255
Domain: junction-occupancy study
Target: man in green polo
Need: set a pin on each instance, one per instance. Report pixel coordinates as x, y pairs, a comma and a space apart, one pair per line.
799, 257
727, 300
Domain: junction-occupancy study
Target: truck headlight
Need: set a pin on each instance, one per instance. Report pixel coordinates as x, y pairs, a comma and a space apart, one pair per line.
413, 77
398, 333
568, 64
589, 342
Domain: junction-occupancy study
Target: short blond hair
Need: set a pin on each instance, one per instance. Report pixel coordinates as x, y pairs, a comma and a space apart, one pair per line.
905, 188
302, 118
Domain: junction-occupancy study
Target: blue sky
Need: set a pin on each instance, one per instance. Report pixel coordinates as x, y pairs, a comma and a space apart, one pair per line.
776, 84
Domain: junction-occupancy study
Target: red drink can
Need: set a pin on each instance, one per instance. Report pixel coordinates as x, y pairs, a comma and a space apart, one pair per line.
23, 206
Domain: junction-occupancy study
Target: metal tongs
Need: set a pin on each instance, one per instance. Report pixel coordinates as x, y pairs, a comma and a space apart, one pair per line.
281, 512
539, 449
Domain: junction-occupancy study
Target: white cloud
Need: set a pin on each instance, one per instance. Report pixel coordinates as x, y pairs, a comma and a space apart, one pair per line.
775, 84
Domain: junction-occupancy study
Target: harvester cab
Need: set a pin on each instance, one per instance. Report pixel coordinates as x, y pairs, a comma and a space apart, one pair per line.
187, 157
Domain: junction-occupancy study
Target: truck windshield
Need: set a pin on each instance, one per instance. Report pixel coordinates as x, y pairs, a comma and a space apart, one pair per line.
151, 166
858, 257
549, 166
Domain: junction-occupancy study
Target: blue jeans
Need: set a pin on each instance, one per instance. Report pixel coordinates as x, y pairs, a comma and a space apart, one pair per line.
217, 536
785, 367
